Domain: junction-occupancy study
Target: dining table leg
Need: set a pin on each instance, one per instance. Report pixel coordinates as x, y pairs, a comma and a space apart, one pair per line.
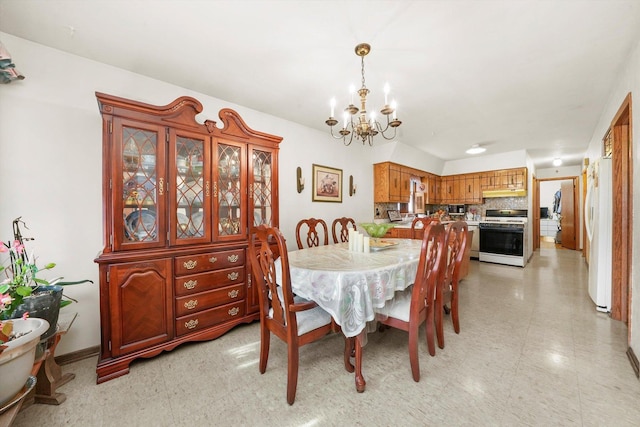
360, 382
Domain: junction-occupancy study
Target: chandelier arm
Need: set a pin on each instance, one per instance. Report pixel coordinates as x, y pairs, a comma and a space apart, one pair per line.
336, 136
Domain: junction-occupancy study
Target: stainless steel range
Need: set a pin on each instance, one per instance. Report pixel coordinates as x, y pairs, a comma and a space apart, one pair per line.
503, 236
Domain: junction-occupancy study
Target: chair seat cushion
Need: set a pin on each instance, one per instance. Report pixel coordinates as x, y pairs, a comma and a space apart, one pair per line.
308, 320
399, 307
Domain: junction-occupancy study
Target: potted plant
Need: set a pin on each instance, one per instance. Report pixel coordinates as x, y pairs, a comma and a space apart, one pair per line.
22, 291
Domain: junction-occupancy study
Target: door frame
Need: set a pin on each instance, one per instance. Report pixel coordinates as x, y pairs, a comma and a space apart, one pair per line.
536, 203
621, 128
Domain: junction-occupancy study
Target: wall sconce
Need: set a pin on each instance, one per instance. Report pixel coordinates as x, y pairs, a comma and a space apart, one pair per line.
352, 186
299, 180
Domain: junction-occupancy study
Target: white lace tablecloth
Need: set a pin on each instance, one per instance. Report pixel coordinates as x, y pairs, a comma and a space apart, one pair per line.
349, 285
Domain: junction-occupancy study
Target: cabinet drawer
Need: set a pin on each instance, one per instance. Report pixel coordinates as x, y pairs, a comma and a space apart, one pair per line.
210, 261
207, 318
194, 283
205, 300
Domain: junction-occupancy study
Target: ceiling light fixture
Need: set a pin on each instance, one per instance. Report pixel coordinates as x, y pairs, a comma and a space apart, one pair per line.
557, 161
355, 120
476, 149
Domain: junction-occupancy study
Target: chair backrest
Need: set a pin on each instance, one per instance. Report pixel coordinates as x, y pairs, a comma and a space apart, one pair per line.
416, 233
266, 245
313, 235
430, 267
340, 229
457, 233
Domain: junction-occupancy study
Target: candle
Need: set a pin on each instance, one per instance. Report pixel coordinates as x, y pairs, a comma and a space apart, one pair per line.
367, 245
351, 242
386, 93
394, 106
360, 242
333, 106
345, 115
352, 90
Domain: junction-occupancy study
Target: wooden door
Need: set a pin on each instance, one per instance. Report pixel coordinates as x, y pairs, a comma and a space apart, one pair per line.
569, 211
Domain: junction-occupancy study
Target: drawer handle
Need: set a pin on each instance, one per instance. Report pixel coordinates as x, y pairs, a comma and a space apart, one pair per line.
191, 324
190, 265
190, 284
233, 275
233, 311
233, 258
191, 304
233, 293
213, 259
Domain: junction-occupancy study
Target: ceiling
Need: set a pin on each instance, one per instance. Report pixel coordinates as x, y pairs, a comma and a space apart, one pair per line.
508, 75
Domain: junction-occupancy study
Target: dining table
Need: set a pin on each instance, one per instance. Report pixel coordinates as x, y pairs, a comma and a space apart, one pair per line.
354, 286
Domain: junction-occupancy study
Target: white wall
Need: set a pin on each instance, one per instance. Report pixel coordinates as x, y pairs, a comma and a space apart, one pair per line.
51, 171
628, 82
512, 159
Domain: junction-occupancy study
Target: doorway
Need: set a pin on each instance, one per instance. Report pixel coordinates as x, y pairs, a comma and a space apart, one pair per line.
557, 216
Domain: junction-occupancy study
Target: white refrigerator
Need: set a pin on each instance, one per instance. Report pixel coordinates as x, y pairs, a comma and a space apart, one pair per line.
599, 225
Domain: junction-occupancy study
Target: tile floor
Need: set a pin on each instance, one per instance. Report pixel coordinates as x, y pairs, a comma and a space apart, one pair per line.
532, 351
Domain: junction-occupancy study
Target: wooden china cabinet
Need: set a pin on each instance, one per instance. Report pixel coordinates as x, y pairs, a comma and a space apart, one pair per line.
179, 198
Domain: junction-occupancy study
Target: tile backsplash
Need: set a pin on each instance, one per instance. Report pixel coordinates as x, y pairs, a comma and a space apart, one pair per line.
380, 209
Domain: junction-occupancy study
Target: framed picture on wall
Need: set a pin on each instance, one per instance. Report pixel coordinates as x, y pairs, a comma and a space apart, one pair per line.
327, 184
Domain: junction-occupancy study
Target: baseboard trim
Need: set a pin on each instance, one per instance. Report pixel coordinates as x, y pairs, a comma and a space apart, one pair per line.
634, 361
78, 355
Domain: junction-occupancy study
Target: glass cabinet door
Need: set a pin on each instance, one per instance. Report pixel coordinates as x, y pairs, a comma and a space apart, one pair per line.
191, 195
139, 194
261, 190
229, 191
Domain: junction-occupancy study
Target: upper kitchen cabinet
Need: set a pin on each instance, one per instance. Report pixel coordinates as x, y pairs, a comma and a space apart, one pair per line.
500, 183
179, 199
392, 183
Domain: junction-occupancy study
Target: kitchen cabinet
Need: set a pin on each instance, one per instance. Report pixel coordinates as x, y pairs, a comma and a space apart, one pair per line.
392, 183
505, 179
179, 198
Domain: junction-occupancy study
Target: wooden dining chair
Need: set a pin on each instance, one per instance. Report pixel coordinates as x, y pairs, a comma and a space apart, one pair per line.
416, 231
414, 306
316, 231
294, 320
340, 229
456, 237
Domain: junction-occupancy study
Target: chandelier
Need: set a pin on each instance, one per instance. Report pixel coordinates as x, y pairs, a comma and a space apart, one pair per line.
355, 121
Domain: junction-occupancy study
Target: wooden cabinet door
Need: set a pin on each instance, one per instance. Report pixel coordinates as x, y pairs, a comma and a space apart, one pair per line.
459, 187
447, 189
189, 188
395, 183
263, 186
405, 186
140, 305
138, 195
477, 190
229, 191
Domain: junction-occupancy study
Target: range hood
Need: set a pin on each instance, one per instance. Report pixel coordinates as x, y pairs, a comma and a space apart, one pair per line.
504, 193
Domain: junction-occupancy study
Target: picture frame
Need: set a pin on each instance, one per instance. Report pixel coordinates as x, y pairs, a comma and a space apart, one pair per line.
327, 184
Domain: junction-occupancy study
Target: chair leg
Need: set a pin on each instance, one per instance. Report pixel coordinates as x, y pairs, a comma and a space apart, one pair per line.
413, 352
349, 346
292, 372
265, 340
454, 309
439, 318
430, 328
